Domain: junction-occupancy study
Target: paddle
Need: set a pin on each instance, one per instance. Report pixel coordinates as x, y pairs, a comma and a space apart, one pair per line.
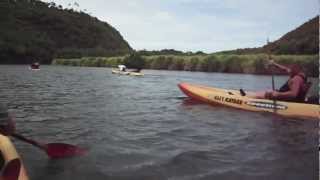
272, 79
53, 150
274, 100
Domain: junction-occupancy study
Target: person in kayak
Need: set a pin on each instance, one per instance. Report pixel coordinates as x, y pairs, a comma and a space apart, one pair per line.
122, 68
295, 89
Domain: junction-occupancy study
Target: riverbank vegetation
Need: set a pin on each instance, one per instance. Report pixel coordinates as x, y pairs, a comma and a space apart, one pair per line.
252, 64
301, 44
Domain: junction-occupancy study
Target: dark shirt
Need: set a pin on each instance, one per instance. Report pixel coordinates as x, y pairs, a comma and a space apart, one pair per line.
302, 90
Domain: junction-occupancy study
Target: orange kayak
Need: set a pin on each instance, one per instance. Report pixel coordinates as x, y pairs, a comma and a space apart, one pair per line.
232, 98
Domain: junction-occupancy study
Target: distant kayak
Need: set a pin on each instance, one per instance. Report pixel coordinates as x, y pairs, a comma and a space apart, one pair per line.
34, 66
12, 161
116, 71
136, 74
34, 69
232, 98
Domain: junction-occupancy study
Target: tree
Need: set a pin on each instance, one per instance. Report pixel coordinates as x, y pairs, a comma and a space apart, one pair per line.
134, 61
32, 29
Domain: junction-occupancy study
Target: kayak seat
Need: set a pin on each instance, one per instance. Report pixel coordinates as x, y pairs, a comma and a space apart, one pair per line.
311, 99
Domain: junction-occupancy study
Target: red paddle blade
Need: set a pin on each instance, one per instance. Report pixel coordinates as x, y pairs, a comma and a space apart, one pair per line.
61, 150
12, 170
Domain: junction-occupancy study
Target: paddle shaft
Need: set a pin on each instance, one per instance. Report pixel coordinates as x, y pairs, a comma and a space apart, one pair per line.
272, 79
272, 76
30, 141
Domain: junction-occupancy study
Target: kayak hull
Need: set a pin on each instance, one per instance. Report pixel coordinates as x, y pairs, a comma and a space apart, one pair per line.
114, 71
136, 74
9, 153
232, 98
34, 69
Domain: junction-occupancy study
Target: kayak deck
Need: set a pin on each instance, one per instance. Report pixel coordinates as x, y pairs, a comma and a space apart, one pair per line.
9, 154
232, 98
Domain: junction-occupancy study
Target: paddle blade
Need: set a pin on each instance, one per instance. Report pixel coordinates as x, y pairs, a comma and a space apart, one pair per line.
61, 150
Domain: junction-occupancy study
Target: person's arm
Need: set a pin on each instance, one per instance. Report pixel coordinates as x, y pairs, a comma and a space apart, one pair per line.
284, 68
294, 89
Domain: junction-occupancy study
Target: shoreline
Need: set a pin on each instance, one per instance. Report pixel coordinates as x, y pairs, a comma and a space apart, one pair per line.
242, 64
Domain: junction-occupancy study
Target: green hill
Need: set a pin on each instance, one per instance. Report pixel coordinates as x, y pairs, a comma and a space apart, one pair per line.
302, 40
32, 30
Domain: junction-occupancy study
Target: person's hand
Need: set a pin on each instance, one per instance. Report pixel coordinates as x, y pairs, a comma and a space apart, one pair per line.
274, 94
271, 62
267, 95
271, 94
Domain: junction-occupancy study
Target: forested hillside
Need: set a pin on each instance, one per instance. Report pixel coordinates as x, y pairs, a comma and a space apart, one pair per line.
302, 40
299, 46
32, 30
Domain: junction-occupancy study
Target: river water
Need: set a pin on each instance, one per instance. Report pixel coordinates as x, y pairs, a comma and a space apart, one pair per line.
139, 128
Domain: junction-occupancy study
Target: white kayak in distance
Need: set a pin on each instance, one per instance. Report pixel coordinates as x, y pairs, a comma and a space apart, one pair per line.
116, 71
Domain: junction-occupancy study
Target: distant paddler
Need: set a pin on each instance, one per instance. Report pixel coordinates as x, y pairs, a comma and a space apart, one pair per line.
122, 68
35, 66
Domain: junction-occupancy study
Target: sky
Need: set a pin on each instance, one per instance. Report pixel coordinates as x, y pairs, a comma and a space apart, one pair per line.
199, 25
